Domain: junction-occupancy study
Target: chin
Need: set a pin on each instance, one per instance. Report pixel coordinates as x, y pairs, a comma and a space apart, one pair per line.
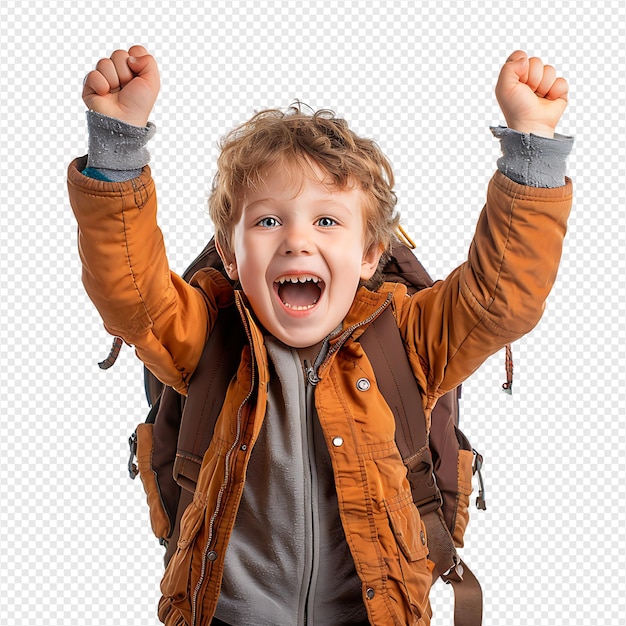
300, 340
298, 344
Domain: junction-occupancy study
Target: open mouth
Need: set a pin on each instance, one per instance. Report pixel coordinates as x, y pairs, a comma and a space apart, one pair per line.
299, 292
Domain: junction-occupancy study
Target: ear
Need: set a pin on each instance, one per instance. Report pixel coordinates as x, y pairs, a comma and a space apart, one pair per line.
369, 264
229, 261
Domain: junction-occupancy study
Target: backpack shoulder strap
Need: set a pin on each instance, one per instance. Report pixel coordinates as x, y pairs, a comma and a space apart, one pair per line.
207, 391
394, 376
207, 258
385, 350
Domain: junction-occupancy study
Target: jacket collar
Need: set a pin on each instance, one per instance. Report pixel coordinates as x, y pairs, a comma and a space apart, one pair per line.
366, 307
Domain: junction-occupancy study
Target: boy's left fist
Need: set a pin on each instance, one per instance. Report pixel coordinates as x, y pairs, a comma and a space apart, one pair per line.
530, 94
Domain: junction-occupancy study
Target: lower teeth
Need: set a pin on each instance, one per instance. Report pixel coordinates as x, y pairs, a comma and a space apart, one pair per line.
305, 307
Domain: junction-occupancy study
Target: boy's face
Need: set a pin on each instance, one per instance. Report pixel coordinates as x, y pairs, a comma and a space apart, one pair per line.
298, 252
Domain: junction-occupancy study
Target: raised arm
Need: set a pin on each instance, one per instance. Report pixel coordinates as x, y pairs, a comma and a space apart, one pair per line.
125, 267
499, 293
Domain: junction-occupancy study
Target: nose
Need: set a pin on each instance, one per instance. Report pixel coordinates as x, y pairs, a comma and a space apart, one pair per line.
297, 239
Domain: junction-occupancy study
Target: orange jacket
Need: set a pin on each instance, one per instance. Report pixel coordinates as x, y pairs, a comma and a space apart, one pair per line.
496, 296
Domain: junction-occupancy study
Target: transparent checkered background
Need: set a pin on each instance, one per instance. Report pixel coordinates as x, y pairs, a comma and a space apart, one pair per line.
76, 546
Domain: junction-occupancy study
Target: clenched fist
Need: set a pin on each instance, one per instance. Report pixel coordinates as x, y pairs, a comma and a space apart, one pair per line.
530, 94
124, 86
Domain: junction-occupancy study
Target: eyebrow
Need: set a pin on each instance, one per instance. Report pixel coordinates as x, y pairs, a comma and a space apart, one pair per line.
259, 201
320, 201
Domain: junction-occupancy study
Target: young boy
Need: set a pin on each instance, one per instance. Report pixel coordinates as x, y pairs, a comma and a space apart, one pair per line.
302, 511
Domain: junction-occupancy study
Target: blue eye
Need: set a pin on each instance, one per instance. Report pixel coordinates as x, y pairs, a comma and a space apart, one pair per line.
326, 222
268, 222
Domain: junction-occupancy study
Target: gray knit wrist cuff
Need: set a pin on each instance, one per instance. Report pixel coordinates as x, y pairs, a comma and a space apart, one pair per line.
533, 160
116, 145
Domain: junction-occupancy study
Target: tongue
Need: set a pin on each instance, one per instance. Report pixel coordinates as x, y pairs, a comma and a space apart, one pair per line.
299, 294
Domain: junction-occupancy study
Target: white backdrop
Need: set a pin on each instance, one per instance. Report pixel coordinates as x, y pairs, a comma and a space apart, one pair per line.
75, 544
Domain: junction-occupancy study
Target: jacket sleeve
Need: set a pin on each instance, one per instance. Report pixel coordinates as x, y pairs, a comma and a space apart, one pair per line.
127, 276
497, 295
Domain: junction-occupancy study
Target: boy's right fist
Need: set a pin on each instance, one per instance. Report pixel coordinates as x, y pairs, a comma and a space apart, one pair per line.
124, 86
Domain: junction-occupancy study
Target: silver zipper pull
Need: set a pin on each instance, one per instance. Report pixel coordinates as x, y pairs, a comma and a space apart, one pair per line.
311, 374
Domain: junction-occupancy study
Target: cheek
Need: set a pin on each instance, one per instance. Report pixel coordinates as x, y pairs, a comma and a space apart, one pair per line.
252, 265
249, 279
243, 254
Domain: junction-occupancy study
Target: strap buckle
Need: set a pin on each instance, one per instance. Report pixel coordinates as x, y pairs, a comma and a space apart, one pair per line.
455, 573
431, 503
468, 596
477, 465
133, 470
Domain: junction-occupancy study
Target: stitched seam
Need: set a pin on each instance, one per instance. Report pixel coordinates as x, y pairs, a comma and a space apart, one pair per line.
128, 259
504, 251
431, 380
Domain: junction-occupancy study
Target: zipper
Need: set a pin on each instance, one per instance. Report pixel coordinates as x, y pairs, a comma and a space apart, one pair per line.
313, 572
312, 371
220, 495
312, 376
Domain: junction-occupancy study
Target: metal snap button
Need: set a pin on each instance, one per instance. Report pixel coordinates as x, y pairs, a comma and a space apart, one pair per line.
337, 441
362, 384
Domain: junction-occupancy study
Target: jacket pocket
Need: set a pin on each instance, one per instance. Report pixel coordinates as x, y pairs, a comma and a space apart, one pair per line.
170, 616
464, 468
159, 519
407, 527
411, 569
175, 583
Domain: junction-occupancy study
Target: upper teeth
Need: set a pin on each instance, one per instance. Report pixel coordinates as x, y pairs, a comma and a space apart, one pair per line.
298, 279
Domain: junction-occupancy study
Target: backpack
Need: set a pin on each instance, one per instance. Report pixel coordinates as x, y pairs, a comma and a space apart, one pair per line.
170, 444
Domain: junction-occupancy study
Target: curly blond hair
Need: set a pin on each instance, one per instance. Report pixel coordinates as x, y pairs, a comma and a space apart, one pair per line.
275, 138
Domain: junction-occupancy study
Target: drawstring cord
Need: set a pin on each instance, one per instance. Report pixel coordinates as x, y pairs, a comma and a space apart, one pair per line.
113, 354
508, 366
